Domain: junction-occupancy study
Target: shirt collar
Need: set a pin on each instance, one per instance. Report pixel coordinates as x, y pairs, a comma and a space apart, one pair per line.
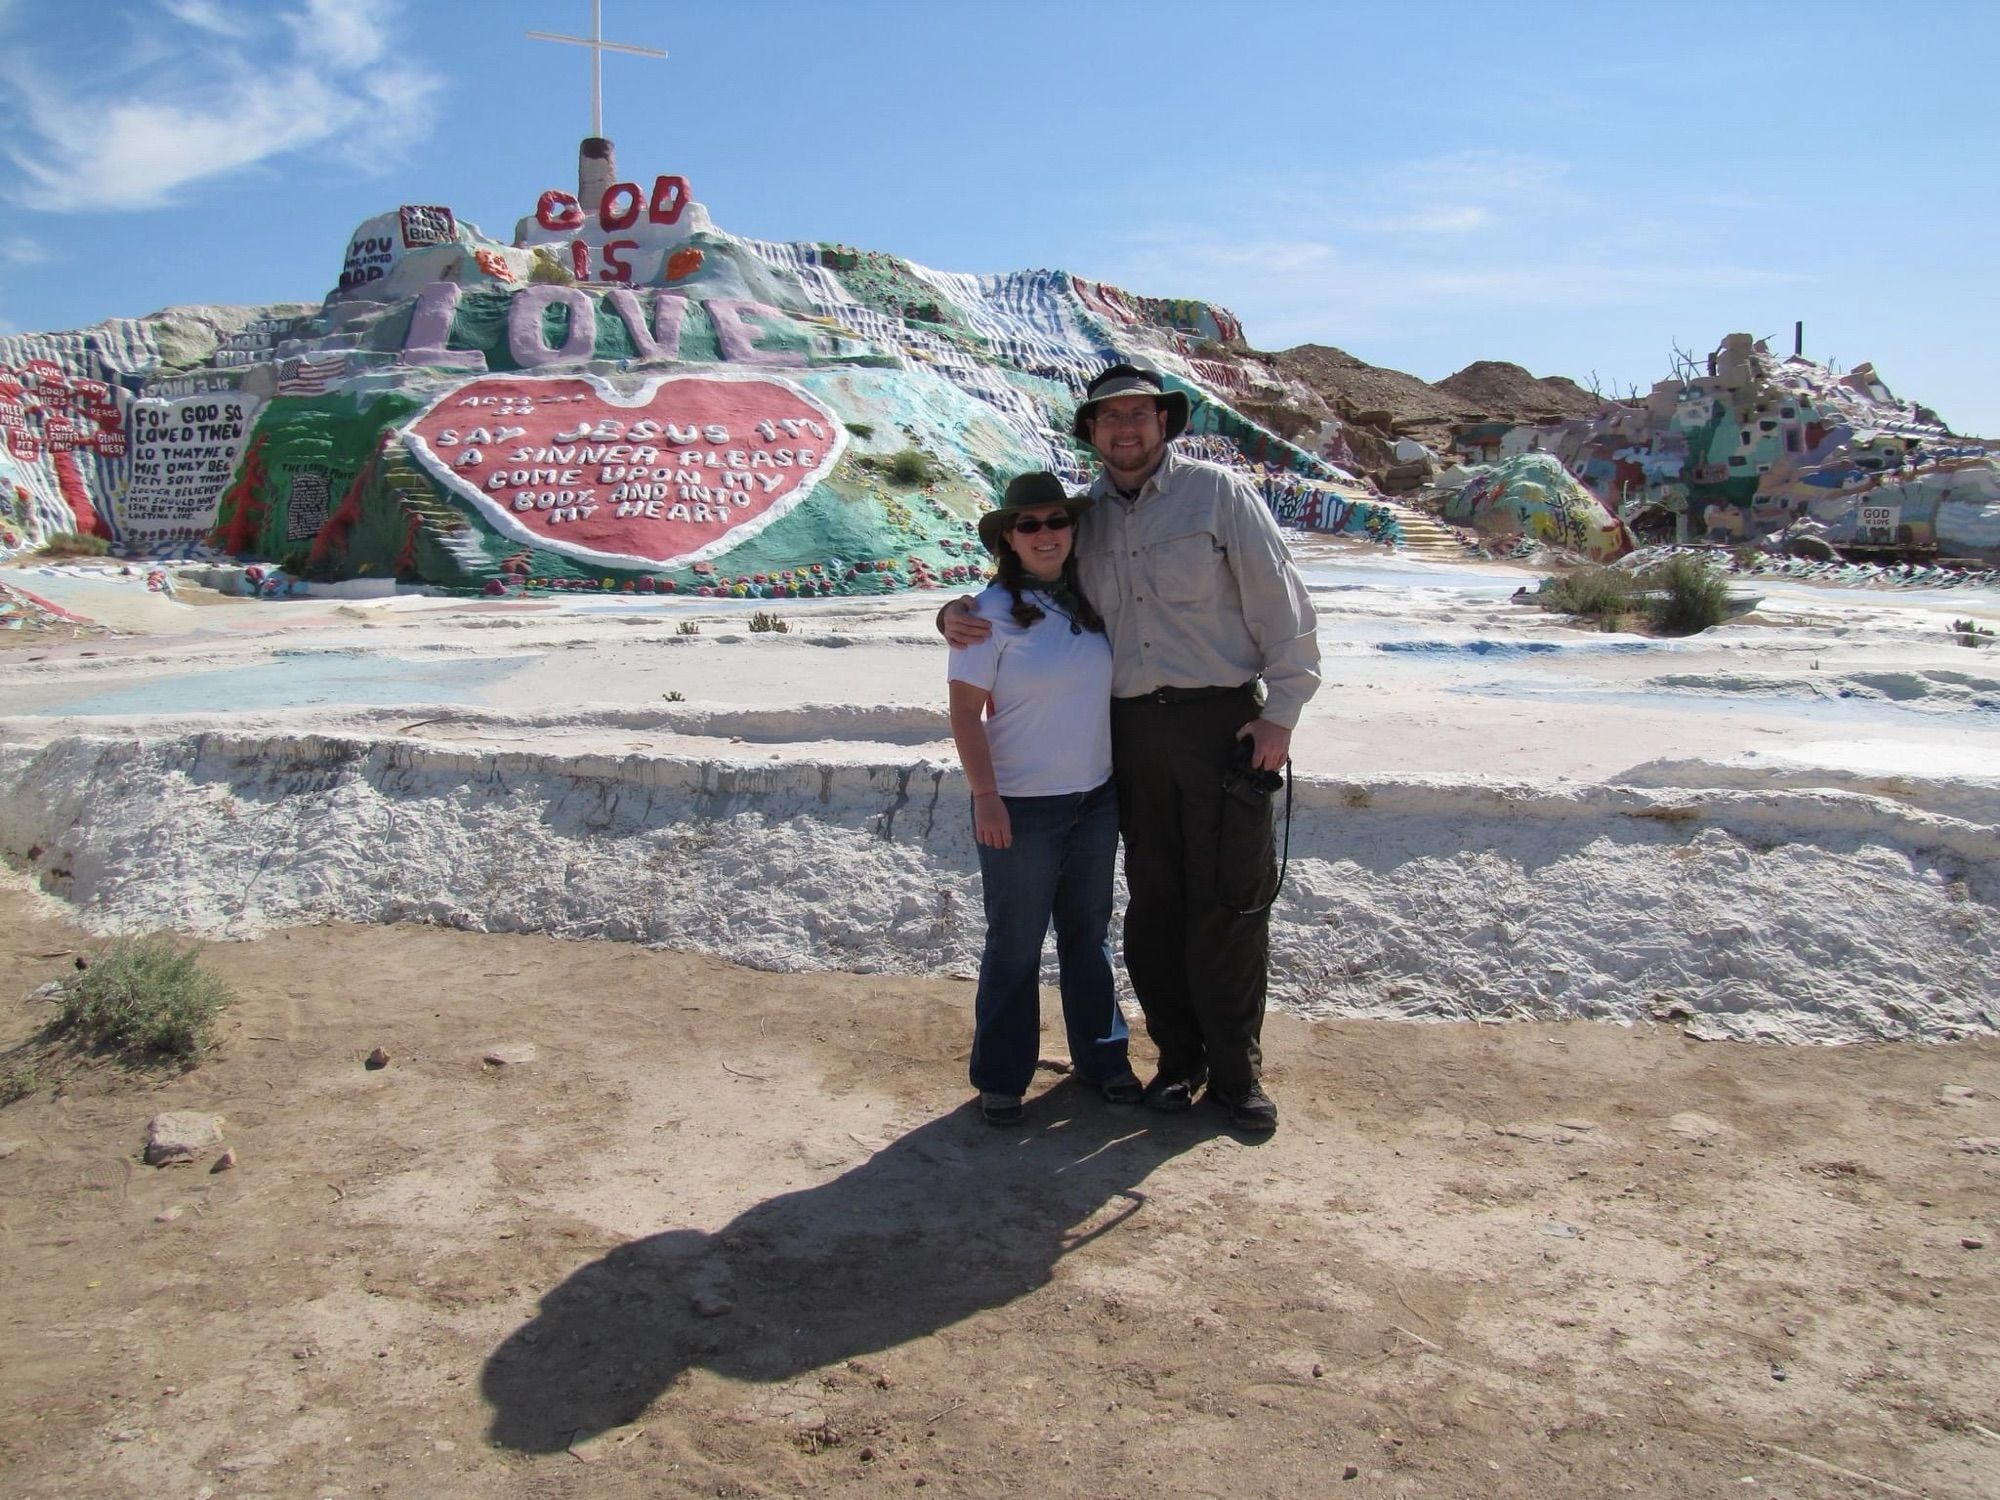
1170, 461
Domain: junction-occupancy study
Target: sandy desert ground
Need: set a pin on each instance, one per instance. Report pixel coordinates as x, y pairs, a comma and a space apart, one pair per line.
622, 1216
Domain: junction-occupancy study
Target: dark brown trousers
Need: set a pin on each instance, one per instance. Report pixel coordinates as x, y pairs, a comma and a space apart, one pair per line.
1197, 966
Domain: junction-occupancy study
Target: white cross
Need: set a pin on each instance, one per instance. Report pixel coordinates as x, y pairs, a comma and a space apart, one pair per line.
598, 47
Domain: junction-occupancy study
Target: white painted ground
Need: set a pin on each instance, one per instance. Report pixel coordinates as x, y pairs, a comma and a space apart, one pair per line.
1783, 828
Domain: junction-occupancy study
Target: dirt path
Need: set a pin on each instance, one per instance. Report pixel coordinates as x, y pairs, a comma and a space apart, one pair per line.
719, 1232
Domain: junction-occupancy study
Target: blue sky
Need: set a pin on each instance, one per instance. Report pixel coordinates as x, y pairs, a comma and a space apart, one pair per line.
1574, 187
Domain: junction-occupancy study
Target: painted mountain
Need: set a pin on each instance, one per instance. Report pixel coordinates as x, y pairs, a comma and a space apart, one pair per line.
624, 397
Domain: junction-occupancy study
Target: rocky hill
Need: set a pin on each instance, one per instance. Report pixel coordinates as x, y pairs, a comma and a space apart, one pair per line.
1492, 388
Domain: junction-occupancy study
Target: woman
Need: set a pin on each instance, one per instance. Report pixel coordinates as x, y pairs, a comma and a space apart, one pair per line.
1031, 715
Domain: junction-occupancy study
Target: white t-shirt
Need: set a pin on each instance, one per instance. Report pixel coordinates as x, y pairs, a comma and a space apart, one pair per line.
1050, 728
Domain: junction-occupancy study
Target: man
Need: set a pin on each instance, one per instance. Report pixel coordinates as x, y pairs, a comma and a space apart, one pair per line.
1213, 642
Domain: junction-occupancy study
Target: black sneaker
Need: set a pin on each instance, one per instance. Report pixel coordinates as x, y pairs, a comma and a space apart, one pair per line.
1125, 1088
1002, 1109
1174, 1094
1250, 1109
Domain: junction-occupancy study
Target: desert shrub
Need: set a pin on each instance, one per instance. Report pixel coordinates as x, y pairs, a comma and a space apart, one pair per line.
1604, 593
861, 430
1687, 596
911, 466
20, 1080
765, 622
674, 695
1971, 633
145, 994
74, 544
687, 627
546, 270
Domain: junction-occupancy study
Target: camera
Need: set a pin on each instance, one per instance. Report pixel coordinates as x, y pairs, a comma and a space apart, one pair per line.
1241, 777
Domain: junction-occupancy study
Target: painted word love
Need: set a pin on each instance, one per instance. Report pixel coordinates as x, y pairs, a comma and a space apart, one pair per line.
685, 468
736, 322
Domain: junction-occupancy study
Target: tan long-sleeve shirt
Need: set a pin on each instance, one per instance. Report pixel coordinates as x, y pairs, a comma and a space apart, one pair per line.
1197, 588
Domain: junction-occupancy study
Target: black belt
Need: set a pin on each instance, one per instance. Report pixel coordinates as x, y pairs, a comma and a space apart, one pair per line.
1188, 694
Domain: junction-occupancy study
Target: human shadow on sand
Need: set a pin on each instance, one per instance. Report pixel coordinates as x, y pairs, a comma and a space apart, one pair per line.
947, 1221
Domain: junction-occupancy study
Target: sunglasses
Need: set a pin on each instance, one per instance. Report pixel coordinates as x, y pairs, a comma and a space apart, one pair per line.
1030, 525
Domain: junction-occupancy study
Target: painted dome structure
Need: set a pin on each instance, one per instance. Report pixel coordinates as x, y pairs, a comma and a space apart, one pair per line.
623, 398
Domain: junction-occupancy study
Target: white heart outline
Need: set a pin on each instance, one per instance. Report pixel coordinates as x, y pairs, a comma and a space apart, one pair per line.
503, 520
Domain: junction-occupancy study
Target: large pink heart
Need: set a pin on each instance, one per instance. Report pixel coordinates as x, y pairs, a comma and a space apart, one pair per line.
685, 468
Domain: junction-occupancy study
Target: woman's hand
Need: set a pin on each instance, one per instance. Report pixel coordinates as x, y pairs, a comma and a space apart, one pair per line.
990, 824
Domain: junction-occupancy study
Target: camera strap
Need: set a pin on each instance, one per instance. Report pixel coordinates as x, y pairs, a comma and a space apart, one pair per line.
1283, 864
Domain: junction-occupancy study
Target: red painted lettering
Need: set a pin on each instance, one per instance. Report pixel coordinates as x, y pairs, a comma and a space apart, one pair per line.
627, 212
559, 210
670, 196
616, 268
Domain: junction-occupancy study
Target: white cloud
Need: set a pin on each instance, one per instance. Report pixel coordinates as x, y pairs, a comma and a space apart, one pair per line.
347, 33
268, 86
1288, 291
19, 250
1443, 218
206, 15
1466, 238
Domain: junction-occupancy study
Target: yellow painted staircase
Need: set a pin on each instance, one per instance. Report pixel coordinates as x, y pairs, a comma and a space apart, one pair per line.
1423, 537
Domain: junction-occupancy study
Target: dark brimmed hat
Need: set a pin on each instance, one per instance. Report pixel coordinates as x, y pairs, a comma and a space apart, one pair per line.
1025, 493
1131, 380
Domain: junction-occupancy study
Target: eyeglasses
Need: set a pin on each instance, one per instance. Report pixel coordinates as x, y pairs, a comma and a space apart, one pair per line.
1029, 525
1137, 416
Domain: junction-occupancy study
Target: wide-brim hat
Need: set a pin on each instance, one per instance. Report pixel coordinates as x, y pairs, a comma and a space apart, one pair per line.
1131, 380
1027, 492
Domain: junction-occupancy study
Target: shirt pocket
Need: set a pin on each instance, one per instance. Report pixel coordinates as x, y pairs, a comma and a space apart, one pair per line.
1183, 567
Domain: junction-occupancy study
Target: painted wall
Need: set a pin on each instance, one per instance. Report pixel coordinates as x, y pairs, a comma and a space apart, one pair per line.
1533, 495
625, 398
1758, 444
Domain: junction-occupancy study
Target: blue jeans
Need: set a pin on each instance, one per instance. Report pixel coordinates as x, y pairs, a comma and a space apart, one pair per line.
1058, 866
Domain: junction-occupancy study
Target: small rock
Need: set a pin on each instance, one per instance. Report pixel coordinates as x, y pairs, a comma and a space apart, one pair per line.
180, 1136
1956, 1094
225, 1161
82, 963
1973, 1242
512, 1054
1350, 1471
867, 1454
1695, 1127
1051, 1065
376, 1059
710, 1304
589, 1450
1319, 1370
1980, 1145
8, 1148
168, 1215
1777, 1372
